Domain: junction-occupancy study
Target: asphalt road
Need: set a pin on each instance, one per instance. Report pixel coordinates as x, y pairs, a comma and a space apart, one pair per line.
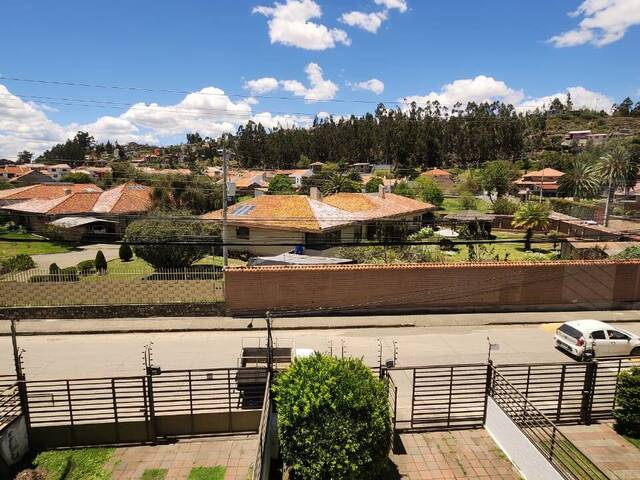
82, 356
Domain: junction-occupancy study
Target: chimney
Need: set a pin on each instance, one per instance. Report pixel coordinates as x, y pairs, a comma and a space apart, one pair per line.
381, 191
314, 193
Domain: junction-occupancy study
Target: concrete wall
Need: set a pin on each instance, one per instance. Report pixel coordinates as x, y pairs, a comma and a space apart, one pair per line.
109, 292
434, 287
43, 437
522, 453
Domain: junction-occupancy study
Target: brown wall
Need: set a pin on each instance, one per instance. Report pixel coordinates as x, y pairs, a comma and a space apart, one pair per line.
570, 228
433, 287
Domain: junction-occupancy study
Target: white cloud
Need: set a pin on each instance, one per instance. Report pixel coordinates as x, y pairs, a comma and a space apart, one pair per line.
374, 85
580, 97
289, 24
603, 22
370, 22
478, 89
320, 89
487, 89
261, 86
209, 111
400, 5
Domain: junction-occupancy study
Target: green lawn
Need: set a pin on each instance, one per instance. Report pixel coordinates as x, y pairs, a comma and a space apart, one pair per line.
515, 251
451, 205
83, 464
11, 249
634, 441
154, 474
207, 473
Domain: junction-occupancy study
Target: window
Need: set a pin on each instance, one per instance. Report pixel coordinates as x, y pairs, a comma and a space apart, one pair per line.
243, 233
615, 335
598, 335
322, 241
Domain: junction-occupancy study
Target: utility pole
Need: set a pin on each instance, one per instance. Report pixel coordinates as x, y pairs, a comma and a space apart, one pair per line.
225, 161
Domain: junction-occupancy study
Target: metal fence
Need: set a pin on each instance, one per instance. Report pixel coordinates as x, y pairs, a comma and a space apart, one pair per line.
454, 396
263, 438
91, 401
565, 457
9, 404
39, 288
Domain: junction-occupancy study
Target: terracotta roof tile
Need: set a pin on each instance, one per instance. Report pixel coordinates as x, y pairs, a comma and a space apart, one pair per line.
47, 191
437, 172
372, 206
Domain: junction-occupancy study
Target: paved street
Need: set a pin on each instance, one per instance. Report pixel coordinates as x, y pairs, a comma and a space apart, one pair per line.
69, 356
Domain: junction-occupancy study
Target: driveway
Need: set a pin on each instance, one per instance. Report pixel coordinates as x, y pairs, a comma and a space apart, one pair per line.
71, 259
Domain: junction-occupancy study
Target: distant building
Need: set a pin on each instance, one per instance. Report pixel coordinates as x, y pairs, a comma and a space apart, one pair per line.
441, 177
32, 177
545, 180
57, 172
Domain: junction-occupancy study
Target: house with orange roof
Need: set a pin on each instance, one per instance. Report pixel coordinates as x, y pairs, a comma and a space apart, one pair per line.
44, 191
545, 180
88, 211
441, 177
9, 172
275, 224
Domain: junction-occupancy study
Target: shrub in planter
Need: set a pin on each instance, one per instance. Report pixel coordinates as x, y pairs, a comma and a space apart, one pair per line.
333, 419
86, 267
627, 412
100, 262
125, 253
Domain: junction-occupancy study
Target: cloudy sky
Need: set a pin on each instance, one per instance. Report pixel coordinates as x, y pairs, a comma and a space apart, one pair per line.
152, 70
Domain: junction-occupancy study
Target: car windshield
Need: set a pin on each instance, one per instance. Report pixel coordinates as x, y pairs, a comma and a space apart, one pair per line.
569, 330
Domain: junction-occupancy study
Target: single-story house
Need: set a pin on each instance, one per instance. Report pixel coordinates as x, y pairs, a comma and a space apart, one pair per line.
120, 205
44, 191
275, 224
246, 182
9, 172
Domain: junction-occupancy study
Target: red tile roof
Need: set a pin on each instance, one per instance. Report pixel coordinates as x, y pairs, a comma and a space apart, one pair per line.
436, 172
47, 191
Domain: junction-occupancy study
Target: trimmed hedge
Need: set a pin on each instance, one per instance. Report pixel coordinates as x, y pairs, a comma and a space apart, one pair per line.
627, 412
333, 419
18, 263
86, 267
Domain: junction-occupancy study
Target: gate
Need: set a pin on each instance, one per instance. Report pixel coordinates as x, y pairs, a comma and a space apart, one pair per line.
176, 403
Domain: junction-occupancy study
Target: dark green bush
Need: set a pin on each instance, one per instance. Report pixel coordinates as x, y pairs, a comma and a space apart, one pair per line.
333, 419
100, 262
41, 278
150, 237
627, 411
504, 206
125, 253
468, 201
54, 269
86, 267
19, 263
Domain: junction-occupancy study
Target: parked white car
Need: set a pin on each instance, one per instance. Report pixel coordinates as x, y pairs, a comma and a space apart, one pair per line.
582, 338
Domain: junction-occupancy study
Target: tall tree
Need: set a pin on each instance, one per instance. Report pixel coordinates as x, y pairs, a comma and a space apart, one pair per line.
25, 157
582, 180
615, 168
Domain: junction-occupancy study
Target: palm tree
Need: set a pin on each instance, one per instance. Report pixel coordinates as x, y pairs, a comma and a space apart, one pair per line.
532, 216
582, 180
614, 169
338, 182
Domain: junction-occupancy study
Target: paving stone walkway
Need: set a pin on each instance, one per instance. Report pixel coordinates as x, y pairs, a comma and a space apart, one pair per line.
236, 453
614, 455
462, 454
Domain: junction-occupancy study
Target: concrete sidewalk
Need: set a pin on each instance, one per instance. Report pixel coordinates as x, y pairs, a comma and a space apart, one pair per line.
213, 324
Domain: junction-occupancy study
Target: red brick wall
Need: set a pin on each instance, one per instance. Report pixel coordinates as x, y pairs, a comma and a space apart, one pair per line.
452, 287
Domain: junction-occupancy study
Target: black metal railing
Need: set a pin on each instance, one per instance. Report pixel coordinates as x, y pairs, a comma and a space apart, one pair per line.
263, 431
9, 405
561, 453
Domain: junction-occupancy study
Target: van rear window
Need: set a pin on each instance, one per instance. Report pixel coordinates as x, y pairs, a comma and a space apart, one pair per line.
572, 332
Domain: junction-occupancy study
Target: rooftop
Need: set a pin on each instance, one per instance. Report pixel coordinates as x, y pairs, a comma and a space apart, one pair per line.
47, 191
436, 172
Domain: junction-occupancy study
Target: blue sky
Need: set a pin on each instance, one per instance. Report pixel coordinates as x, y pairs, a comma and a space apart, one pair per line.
459, 50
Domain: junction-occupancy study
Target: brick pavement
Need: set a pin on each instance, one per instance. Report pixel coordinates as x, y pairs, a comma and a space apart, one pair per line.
236, 453
614, 455
462, 454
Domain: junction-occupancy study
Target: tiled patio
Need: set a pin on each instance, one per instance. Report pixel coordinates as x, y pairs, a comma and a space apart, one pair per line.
614, 455
462, 454
236, 453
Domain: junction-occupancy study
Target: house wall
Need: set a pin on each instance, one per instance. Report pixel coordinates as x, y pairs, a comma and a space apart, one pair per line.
434, 287
260, 235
